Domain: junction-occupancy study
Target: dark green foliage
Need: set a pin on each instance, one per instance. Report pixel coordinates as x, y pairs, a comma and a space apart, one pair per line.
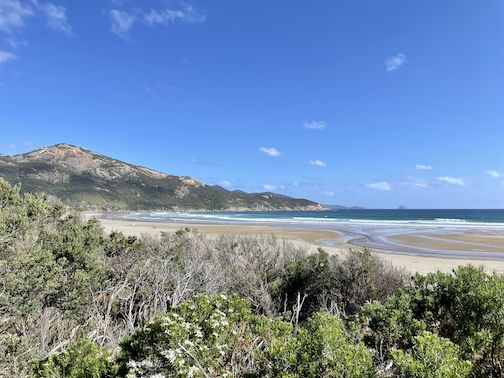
340, 285
82, 359
466, 307
321, 348
46, 259
431, 357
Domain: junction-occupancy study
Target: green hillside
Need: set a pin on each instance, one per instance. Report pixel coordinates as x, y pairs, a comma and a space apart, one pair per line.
84, 179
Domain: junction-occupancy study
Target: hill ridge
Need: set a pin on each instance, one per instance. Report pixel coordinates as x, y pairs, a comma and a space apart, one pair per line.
91, 181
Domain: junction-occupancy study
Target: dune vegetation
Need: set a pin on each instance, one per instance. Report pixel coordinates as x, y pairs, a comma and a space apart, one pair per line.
77, 302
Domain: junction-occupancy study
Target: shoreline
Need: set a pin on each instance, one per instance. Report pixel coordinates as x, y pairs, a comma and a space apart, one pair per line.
338, 243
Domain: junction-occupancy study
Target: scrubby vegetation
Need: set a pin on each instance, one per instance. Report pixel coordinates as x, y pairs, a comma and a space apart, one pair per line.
76, 302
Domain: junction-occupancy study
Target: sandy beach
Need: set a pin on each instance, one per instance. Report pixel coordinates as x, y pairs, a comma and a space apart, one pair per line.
404, 252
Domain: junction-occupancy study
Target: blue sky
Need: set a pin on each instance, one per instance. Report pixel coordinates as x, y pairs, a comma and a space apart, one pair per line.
369, 103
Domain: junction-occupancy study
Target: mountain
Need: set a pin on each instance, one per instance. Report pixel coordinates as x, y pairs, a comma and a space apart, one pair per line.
339, 207
336, 207
87, 180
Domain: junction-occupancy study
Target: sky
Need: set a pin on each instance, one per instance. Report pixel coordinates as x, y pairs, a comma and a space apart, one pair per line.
357, 103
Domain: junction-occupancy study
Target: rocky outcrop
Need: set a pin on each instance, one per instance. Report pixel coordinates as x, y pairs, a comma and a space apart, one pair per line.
81, 160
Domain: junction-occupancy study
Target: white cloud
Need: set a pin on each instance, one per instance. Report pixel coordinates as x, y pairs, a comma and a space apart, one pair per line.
453, 180
394, 62
57, 19
315, 125
13, 15
495, 174
419, 167
383, 186
330, 194
295, 183
317, 163
422, 183
269, 188
188, 15
6, 56
121, 22
225, 184
270, 151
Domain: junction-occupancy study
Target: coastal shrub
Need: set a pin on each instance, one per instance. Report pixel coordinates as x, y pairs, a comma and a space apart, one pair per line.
340, 285
217, 337
320, 348
82, 359
466, 307
431, 357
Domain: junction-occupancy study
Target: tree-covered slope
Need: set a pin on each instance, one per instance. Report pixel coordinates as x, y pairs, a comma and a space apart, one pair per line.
85, 179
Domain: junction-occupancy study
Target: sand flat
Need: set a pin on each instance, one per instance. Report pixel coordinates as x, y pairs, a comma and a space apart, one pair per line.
466, 242
330, 241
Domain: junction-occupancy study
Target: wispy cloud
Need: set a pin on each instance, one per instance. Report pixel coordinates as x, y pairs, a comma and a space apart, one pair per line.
453, 180
382, 186
56, 17
18, 146
270, 151
317, 163
394, 62
420, 182
225, 184
122, 22
167, 16
420, 167
31, 145
330, 194
315, 125
16, 43
269, 188
6, 56
495, 174
8, 147
13, 15
202, 162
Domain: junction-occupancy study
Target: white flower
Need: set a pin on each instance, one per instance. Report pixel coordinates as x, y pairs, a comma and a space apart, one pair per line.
192, 370
170, 355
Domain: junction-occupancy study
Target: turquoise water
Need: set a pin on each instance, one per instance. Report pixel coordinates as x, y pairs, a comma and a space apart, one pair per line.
424, 217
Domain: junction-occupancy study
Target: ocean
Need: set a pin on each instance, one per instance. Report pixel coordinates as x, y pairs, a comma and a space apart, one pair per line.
472, 218
460, 233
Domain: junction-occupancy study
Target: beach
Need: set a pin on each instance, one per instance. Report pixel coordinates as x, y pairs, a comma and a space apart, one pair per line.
441, 248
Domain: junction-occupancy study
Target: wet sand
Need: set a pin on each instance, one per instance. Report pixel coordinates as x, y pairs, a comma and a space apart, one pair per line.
419, 250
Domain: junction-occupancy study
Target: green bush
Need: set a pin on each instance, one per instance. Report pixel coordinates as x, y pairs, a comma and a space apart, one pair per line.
215, 337
467, 307
431, 357
321, 348
83, 359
